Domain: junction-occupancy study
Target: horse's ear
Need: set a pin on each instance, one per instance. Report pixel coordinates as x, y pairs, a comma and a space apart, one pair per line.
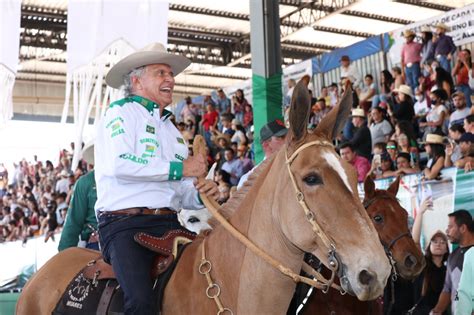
299, 112
332, 124
393, 189
369, 188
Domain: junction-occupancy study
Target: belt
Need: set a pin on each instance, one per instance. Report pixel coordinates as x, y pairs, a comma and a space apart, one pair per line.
140, 210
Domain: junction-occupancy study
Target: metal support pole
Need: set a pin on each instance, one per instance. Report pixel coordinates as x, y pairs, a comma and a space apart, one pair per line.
266, 66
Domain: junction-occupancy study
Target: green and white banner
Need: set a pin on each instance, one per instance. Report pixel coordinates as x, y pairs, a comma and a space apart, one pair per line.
454, 191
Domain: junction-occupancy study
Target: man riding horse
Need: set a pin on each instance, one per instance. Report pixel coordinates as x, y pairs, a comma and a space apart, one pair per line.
142, 170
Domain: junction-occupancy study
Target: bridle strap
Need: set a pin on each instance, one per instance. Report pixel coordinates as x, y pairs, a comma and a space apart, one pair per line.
392, 242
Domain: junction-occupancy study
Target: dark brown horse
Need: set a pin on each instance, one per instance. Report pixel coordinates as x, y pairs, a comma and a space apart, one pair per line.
391, 222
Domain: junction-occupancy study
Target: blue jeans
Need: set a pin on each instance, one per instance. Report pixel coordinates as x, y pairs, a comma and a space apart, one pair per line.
444, 62
466, 90
131, 262
412, 74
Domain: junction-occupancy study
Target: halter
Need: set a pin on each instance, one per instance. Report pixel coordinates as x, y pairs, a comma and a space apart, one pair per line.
310, 216
318, 281
388, 246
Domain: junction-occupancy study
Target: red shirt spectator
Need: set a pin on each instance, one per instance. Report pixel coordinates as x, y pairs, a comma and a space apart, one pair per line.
210, 118
361, 164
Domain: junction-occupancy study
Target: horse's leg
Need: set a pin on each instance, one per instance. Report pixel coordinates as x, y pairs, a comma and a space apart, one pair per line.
43, 291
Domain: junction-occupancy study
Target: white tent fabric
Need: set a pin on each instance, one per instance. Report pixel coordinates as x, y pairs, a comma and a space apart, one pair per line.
10, 15
113, 30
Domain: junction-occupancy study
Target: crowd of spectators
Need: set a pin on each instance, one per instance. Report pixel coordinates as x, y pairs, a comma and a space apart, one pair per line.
417, 119
35, 198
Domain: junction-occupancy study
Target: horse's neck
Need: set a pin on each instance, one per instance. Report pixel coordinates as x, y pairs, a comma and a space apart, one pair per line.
249, 284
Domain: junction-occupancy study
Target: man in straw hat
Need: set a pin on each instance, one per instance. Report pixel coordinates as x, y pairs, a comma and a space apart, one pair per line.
411, 57
444, 47
361, 141
142, 170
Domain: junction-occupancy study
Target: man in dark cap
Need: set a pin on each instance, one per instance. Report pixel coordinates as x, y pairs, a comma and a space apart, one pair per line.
272, 138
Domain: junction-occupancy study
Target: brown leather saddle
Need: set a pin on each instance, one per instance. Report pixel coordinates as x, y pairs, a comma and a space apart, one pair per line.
165, 246
96, 290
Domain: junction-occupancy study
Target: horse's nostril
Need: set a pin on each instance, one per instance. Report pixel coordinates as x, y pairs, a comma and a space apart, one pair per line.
366, 277
410, 261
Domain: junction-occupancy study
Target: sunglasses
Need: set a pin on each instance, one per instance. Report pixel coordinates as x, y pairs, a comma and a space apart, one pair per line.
391, 147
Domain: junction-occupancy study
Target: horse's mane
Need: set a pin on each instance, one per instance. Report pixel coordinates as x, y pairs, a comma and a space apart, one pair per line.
228, 208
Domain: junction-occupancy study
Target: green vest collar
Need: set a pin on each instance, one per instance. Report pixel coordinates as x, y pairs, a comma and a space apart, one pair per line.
150, 105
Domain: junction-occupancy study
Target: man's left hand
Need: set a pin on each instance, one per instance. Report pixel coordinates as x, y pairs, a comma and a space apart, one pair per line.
207, 187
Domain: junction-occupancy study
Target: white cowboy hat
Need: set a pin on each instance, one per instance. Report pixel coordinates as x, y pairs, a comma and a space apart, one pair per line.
358, 112
432, 138
151, 54
405, 89
425, 29
443, 26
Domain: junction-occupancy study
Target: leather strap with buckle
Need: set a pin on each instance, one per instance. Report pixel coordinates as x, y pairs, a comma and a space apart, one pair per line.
140, 210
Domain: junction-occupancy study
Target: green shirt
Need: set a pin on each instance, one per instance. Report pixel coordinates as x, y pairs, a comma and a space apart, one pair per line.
80, 213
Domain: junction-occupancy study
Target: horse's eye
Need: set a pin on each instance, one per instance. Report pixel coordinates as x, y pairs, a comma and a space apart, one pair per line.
313, 179
193, 220
378, 219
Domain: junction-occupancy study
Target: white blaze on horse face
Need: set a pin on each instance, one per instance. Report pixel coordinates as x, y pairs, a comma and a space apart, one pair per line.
334, 162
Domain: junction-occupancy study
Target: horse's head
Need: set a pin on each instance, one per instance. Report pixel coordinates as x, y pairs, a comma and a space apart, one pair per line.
391, 222
326, 186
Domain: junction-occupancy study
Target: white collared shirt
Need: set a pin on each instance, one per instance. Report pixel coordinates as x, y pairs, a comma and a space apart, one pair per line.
138, 159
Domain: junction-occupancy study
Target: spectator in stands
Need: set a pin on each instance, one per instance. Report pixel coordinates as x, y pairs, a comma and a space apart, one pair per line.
429, 284
421, 106
405, 146
325, 95
444, 47
361, 141
350, 71
239, 136
435, 149
386, 87
427, 50
462, 70
226, 122
392, 149
319, 110
398, 79
232, 166
360, 163
223, 103
239, 102
333, 94
188, 113
453, 151
209, 122
404, 167
61, 206
466, 148
460, 231
444, 81
465, 304
368, 91
437, 114
402, 108
62, 185
380, 128
411, 57
469, 123
248, 117
461, 112
385, 169
242, 154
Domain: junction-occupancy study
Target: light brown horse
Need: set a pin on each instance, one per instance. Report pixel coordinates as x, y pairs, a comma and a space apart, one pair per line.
270, 216
391, 222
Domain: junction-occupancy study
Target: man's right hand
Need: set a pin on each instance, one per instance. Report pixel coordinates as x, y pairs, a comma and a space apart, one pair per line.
194, 166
